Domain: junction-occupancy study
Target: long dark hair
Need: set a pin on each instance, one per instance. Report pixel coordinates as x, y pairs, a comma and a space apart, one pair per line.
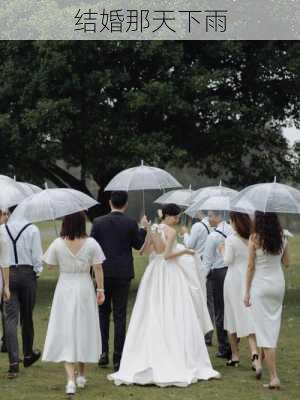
242, 224
269, 232
74, 226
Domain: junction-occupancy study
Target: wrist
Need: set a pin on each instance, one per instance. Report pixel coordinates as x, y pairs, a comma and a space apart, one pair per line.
100, 290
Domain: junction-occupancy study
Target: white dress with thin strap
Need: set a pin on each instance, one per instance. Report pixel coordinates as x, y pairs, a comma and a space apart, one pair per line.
73, 333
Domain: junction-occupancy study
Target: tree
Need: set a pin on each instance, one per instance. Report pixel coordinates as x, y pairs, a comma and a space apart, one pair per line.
104, 106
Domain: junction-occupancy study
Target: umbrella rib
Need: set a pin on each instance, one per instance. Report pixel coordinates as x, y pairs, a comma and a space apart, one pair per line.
160, 188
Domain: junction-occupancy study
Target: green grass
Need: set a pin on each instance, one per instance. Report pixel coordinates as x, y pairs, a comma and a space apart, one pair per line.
47, 380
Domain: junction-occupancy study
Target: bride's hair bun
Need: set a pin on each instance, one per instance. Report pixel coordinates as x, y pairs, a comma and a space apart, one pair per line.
171, 210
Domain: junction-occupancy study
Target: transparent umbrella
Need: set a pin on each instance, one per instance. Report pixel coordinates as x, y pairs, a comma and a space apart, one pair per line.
28, 188
198, 197
143, 178
50, 204
181, 197
269, 197
11, 193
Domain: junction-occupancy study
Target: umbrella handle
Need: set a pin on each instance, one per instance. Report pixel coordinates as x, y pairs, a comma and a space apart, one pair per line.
143, 201
55, 227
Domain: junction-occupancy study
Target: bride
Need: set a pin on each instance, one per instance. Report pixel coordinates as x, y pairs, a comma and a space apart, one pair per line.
165, 340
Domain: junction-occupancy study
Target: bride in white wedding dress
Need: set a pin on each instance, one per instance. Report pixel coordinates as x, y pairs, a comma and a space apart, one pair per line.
165, 340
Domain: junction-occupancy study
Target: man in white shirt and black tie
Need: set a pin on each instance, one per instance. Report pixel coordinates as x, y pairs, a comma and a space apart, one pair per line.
216, 271
25, 259
196, 240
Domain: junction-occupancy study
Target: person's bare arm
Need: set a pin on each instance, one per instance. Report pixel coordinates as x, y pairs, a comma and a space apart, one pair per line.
148, 245
169, 253
285, 257
6, 292
98, 271
250, 270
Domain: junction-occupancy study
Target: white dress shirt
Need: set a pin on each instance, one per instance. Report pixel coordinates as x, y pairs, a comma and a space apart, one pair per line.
212, 258
4, 258
29, 245
197, 238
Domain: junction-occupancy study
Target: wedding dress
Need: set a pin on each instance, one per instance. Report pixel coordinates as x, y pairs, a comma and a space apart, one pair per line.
165, 343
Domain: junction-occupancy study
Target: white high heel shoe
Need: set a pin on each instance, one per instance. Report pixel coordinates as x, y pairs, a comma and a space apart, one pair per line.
71, 388
81, 382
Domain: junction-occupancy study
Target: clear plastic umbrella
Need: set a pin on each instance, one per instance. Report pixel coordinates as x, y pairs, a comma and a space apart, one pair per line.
200, 195
269, 197
50, 204
142, 178
11, 193
215, 203
181, 197
28, 188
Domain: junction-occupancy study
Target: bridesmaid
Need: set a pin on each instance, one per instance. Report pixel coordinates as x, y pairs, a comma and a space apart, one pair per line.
265, 286
238, 319
73, 334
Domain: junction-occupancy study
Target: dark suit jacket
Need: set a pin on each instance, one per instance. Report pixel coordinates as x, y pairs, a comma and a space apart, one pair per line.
117, 234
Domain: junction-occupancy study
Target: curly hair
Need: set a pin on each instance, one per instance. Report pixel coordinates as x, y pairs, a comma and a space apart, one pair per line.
242, 223
269, 232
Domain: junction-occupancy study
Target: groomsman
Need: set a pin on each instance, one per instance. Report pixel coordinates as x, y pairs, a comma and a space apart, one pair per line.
196, 240
216, 271
25, 259
117, 234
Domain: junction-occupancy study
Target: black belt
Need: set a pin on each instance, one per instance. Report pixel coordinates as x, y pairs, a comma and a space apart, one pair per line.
21, 266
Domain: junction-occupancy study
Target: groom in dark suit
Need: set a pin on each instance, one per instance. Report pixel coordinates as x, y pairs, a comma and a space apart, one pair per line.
117, 234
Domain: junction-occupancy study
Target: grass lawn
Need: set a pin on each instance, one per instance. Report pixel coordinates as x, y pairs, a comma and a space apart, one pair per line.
46, 381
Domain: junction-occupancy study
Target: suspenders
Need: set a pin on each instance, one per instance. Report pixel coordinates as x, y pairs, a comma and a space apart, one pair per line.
14, 240
221, 233
205, 226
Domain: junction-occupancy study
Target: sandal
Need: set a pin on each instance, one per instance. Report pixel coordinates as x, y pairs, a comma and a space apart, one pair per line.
258, 371
273, 386
232, 363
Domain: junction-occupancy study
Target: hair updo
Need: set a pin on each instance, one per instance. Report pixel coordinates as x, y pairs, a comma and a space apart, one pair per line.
170, 209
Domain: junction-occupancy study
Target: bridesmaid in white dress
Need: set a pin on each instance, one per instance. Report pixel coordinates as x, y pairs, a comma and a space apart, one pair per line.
238, 320
265, 286
165, 343
73, 334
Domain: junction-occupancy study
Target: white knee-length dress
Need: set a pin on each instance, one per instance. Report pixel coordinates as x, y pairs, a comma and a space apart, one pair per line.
266, 296
73, 333
237, 317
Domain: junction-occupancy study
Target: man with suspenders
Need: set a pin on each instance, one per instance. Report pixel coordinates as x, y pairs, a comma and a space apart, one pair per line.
216, 271
25, 256
196, 240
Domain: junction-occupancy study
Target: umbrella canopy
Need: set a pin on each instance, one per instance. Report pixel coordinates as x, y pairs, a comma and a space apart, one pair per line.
28, 188
11, 193
179, 196
199, 196
216, 203
142, 178
269, 197
209, 191
50, 204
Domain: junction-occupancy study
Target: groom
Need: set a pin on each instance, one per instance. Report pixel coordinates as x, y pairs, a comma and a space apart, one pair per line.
117, 234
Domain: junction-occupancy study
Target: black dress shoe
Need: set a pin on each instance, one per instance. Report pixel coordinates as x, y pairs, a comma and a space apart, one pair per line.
208, 343
13, 371
116, 367
104, 360
28, 361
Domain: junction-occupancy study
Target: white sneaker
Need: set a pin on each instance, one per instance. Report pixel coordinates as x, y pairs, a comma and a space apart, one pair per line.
81, 381
71, 388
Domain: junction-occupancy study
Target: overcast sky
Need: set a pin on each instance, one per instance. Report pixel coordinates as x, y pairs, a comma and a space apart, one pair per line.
292, 134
